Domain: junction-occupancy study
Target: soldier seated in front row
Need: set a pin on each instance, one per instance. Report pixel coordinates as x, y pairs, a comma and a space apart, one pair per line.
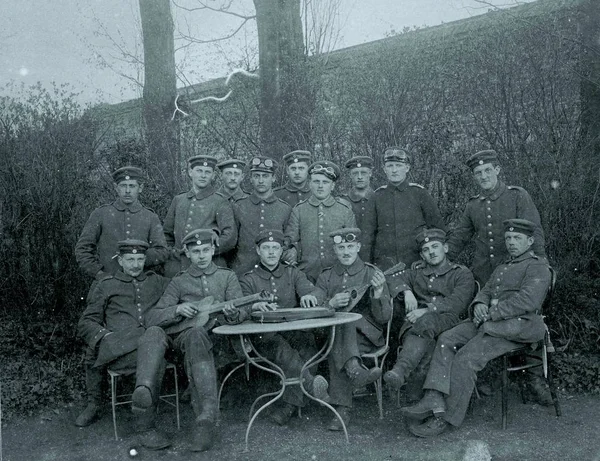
292, 289
113, 327
197, 344
346, 371
506, 313
435, 297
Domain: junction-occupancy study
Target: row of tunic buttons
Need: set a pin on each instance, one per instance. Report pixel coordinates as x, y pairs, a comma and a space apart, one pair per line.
490, 233
273, 289
188, 226
127, 220
430, 286
137, 298
262, 214
321, 241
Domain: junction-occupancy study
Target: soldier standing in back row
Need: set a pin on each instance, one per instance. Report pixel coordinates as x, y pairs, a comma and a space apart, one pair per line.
484, 214
312, 220
257, 212
199, 208
125, 218
360, 169
232, 175
397, 212
296, 188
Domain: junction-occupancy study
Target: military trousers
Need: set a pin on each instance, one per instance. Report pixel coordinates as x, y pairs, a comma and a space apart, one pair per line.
460, 353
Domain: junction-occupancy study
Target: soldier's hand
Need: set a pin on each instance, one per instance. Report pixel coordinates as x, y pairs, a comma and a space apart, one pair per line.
410, 302
416, 314
290, 256
378, 282
340, 300
230, 311
187, 310
263, 306
308, 301
480, 313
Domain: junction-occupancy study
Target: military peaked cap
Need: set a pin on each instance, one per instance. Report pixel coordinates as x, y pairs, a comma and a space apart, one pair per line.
326, 168
270, 235
132, 246
266, 164
481, 158
346, 234
231, 163
298, 156
200, 237
522, 226
360, 161
126, 173
202, 160
428, 235
396, 154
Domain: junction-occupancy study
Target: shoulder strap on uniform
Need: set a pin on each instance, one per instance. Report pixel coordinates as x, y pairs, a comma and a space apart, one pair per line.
414, 184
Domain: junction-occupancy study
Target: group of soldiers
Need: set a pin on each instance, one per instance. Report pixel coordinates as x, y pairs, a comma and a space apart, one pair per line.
309, 247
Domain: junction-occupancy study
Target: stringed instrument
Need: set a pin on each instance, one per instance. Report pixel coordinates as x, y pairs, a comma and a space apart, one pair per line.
356, 293
206, 307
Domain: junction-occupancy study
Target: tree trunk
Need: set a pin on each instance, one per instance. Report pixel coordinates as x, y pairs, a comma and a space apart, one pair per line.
160, 90
284, 102
590, 80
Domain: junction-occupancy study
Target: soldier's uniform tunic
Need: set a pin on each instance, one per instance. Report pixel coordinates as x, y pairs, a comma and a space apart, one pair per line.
205, 210
288, 349
292, 195
232, 197
198, 344
252, 215
310, 223
519, 285
353, 339
394, 216
117, 306
445, 290
109, 224
482, 220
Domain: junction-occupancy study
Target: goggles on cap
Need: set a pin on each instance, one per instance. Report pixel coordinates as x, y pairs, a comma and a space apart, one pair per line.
267, 162
348, 238
319, 168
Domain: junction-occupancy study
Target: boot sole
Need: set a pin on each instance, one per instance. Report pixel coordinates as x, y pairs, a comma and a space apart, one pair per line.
319, 388
418, 415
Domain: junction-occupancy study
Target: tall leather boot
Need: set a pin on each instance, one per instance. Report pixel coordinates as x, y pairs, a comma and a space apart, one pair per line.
413, 349
150, 371
93, 384
204, 376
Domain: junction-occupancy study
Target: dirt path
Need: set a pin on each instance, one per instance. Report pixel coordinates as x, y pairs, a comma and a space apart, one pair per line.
534, 433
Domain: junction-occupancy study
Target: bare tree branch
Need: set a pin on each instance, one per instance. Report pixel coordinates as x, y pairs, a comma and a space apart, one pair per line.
223, 9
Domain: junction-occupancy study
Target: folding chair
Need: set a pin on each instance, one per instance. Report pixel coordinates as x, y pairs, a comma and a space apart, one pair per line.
375, 356
124, 399
526, 351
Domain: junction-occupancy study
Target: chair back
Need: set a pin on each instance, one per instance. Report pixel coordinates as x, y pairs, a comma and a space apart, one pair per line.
547, 304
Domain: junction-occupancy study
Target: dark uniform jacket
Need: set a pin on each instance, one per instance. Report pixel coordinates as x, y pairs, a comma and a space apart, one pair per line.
447, 288
190, 211
516, 291
252, 215
109, 224
394, 217
288, 283
291, 195
482, 220
375, 312
193, 285
308, 229
118, 305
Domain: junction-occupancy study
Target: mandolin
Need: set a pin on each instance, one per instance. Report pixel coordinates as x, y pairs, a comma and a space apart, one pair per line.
206, 307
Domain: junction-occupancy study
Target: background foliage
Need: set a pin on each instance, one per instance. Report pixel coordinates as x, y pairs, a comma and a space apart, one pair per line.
443, 93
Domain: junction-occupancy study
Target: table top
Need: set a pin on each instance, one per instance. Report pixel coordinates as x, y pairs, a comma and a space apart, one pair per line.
248, 328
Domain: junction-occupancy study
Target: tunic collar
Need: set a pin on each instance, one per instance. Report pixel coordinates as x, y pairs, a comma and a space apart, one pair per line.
236, 195
133, 208
263, 272
352, 269
256, 199
400, 187
352, 195
493, 194
329, 201
194, 271
123, 277
290, 187
442, 269
203, 193
527, 255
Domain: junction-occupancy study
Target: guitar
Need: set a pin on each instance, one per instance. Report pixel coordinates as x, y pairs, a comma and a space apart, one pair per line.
206, 306
356, 293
